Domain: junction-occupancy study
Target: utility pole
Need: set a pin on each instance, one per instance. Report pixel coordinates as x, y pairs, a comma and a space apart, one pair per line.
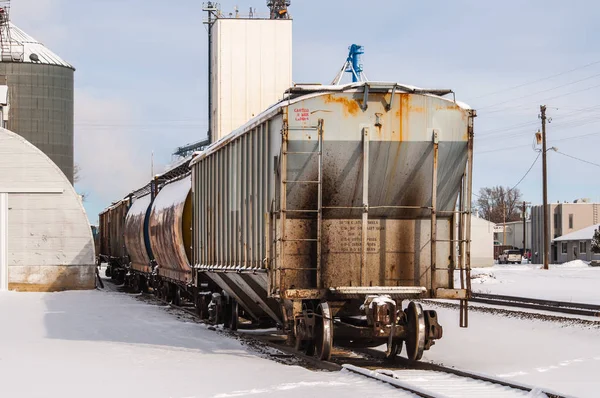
545, 180
504, 226
212, 9
524, 225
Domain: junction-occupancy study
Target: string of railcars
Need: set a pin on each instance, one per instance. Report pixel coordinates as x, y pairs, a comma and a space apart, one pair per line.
320, 215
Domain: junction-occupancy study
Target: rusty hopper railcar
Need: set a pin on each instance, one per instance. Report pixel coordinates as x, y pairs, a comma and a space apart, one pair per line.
112, 241
170, 227
158, 237
333, 206
137, 239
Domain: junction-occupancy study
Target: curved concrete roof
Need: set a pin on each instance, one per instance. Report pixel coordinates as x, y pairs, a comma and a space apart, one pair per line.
50, 242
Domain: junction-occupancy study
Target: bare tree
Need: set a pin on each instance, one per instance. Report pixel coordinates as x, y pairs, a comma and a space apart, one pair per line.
496, 203
76, 175
77, 178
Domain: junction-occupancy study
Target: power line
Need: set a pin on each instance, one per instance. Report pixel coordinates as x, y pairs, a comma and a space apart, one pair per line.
540, 92
536, 81
576, 158
531, 167
543, 100
569, 115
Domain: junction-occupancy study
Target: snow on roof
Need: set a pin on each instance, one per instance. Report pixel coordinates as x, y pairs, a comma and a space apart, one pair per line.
582, 234
25, 45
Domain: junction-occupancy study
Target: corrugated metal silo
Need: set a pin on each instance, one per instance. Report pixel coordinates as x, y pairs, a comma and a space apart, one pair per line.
41, 95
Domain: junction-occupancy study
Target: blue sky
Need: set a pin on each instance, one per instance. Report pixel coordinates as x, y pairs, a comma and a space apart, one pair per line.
141, 73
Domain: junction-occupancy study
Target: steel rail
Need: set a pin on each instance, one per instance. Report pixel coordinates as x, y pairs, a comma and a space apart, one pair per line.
383, 375
564, 307
406, 363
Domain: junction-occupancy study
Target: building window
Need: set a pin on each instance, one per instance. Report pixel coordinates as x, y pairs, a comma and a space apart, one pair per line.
564, 248
571, 221
582, 247
556, 221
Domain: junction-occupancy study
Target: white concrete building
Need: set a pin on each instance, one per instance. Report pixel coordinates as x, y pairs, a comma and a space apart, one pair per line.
482, 242
512, 234
46, 242
251, 66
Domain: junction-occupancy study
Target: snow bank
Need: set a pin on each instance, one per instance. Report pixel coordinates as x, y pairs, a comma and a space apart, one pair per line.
575, 281
572, 264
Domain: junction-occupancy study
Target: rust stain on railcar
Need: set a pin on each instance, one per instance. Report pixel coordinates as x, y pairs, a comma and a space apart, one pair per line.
350, 106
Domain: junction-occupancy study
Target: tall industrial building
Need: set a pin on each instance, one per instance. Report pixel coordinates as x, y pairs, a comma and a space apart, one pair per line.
40, 86
250, 66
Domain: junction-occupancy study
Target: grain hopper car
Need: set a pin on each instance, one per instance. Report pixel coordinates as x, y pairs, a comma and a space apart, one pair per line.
328, 210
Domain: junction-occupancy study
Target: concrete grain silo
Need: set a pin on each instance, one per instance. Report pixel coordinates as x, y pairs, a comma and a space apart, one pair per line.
40, 87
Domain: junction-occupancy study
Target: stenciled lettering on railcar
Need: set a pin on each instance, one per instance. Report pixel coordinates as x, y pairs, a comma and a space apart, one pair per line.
301, 114
346, 236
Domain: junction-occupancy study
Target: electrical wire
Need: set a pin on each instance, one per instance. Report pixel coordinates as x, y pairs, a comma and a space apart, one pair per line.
536, 81
539, 92
576, 158
531, 167
541, 101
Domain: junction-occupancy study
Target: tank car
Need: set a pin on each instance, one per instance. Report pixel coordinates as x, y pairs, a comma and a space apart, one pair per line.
334, 206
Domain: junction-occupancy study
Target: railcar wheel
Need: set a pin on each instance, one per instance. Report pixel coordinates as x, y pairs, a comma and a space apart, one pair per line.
135, 283
202, 306
176, 295
323, 332
143, 284
233, 314
164, 291
305, 346
415, 341
393, 351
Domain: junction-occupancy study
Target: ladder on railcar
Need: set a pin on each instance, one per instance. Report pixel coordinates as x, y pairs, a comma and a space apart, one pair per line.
281, 267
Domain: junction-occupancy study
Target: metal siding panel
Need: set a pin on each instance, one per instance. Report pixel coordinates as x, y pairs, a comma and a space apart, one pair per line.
218, 205
261, 197
243, 196
203, 183
252, 204
212, 178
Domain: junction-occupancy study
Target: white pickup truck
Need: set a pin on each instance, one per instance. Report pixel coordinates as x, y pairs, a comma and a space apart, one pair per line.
510, 257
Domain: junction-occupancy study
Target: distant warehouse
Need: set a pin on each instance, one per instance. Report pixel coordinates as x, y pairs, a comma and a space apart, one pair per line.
46, 242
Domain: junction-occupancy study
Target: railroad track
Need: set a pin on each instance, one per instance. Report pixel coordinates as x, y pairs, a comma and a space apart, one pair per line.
562, 307
423, 379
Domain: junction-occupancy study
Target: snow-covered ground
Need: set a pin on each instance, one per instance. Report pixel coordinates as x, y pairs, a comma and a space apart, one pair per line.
574, 281
557, 356
108, 344
560, 356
